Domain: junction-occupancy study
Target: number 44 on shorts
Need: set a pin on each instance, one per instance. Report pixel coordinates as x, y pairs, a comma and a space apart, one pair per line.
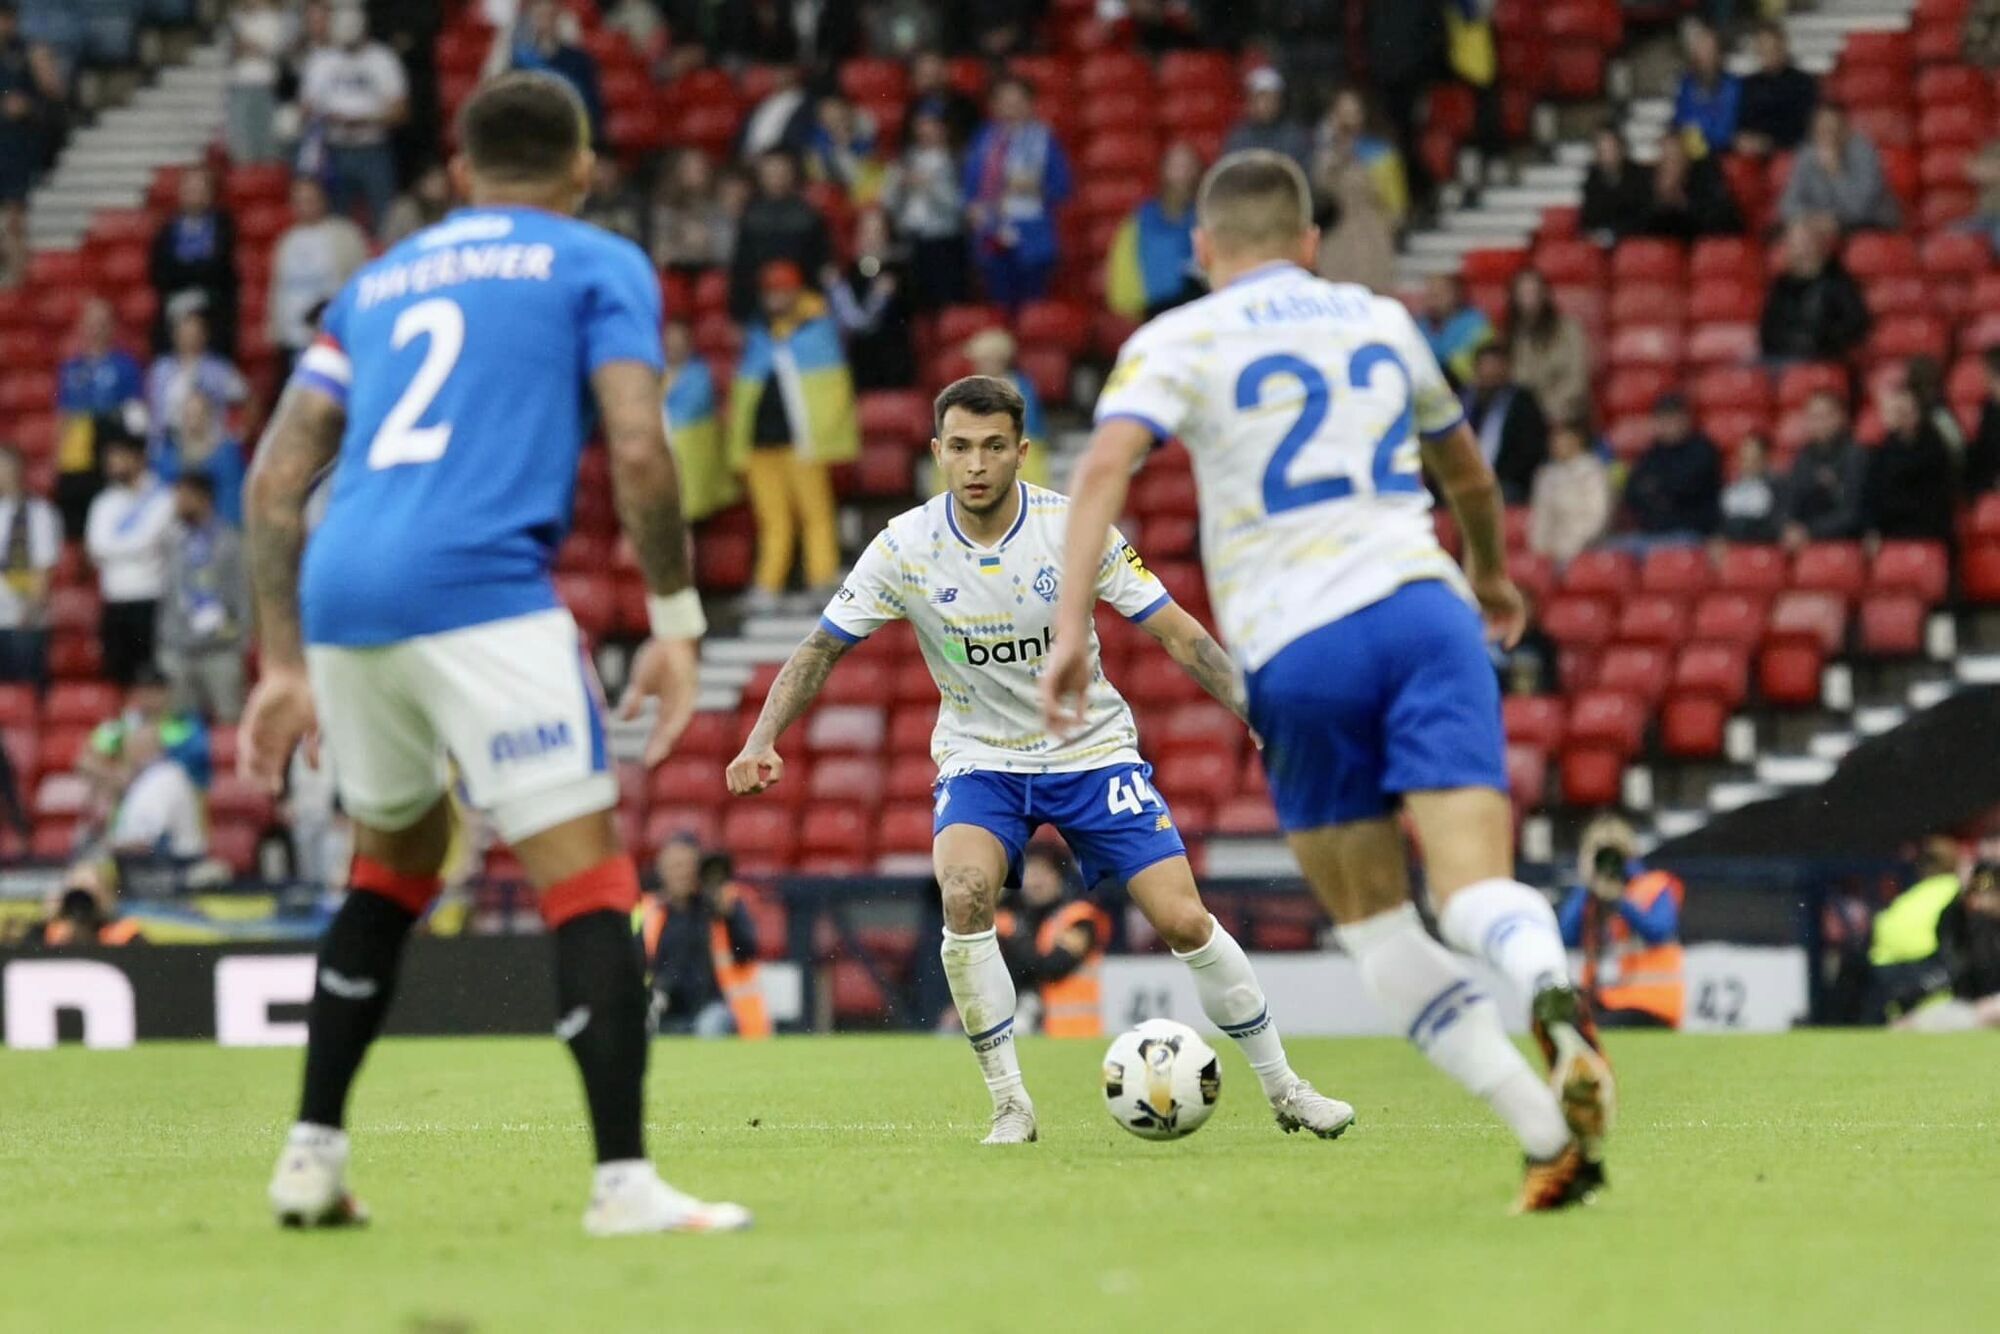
1130, 795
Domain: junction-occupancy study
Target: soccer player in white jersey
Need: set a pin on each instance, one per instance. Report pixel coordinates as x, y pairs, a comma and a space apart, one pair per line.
1310, 409
974, 573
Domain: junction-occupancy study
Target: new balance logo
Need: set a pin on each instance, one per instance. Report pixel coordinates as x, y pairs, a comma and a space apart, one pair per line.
944, 595
347, 988
573, 1023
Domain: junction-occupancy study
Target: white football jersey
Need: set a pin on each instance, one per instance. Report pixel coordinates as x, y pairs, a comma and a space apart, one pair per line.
1301, 402
985, 621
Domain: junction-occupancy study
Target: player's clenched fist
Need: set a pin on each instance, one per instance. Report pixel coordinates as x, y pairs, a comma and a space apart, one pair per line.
757, 768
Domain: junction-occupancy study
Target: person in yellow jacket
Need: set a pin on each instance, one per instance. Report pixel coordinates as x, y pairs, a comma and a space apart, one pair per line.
791, 417
1906, 965
700, 950
1627, 921
1055, 944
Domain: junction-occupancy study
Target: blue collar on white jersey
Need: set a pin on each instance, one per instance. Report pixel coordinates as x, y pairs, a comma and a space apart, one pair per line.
951, 519
1263, 271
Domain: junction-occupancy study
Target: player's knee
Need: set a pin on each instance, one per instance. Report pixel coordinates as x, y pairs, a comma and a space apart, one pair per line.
1184, 924
970, 897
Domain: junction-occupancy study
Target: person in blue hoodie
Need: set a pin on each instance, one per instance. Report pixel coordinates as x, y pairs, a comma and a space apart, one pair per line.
1708, 99
1015, 176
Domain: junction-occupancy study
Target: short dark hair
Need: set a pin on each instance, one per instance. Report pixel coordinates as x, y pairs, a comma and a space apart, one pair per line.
1255, 199
198, 482
122, 441
982, 396
523, 126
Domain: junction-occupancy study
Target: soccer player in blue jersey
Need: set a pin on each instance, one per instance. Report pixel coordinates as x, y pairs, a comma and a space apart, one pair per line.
451, 390
1310, 409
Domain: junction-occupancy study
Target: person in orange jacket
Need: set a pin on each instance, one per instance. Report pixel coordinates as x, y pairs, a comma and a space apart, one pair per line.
1055, 944
700, 949
1627, 921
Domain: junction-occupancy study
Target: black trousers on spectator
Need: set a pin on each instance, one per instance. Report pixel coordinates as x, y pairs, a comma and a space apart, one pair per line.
939, 272
24, 656
126, 632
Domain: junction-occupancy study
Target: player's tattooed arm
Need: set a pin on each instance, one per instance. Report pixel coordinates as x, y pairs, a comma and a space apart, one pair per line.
644, 481
758, 766
300, 442
1190, 644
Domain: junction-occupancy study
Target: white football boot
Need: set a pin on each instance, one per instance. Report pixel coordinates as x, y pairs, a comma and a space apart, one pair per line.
1303, 1107
1013, 1123
630, 1199
309, 1187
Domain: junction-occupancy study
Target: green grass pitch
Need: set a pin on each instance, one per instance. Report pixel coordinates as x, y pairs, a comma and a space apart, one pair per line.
1810, 1182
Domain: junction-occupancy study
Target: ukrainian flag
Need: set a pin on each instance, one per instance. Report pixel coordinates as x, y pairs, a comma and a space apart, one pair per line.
707, 483
811, 371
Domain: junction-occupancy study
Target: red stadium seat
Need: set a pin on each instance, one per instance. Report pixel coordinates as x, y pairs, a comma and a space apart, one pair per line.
1527, 776
1573, 261
1817, 617
1901, 337
1979, 572
1741, 388
854, 729
1733, 618
1639, 670
1534, 720
1751, 569
1056, 324
1681, 571
856, 778
1613, 719
1653, 618
1723, 344
1831, 567
836, 829
1731, 258
1788, 673
1796, 384
1917, 568
1718, 669
1725, 301
1245, 815
77, 704
1658, 345
904, 828
1592, 776
903, 415
1647, 303
1892, 624
1584, 622
762, 828
1881, 254
1693, 726
1648, 261
1608, 573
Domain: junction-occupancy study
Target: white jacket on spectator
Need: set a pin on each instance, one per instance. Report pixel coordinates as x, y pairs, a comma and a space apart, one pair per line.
161, 813
126, 534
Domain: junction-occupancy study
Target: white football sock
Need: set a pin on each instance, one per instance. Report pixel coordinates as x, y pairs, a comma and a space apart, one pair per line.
1424, 991
1234, 1003
983, 990
1512, 928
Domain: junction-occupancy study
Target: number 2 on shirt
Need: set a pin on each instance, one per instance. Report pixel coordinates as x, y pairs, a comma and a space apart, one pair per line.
400, 440
1280, 492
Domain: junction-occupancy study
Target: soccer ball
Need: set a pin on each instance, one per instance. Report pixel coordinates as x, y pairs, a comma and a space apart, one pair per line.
1161, 1080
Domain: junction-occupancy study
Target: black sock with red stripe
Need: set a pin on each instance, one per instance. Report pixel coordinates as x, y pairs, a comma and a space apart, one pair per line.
358, 962
601, 1000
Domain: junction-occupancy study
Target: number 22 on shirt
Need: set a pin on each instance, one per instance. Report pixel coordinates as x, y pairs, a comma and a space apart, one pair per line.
400, 440
1390, 466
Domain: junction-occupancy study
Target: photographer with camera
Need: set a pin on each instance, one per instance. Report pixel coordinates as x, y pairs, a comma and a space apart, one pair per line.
1626, 920
700, 948
83, 911
1054, 941
1968, 936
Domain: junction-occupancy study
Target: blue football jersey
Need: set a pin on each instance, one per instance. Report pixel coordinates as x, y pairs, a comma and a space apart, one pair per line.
463, 357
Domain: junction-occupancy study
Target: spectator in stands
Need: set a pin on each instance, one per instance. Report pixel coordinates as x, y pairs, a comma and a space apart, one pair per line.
1452, 325
1925, 377
99, 389
1983, 171
411, 29
189, 368
1569, 505
1053, 939
1982, 452
30, 545
354, 93
126, 536
1906, 967
1359, 177
694, 431
1674, 492
1822, 500
424, 204
23, 111
1533, 666
779, 223
1016, 175
1617, 192
1707, 99
1777, 101
690, 229
1151, 267
1814, 310
540, 43
261, 34
932, 93
195, 251
923, 198
1968, 939
205, 608
700, 948
782, 120
613, 202
1753, 502
1513, 431
868, 304
313, 260
840, 150
1690, 198
1550, 353
1265, 124
991, 352
199, 445
792, 366
997, 28
1909, 491
1838, 174
159, 812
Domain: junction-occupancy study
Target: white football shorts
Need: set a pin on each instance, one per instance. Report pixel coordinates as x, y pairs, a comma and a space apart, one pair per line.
515, 702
